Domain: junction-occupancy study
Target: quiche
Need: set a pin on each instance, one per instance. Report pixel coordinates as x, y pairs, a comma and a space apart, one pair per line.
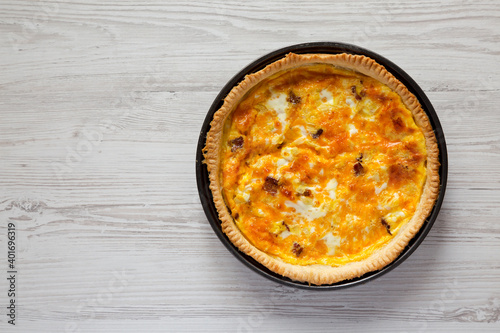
322, 167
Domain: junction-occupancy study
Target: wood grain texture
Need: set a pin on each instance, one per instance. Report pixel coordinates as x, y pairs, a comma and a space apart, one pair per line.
101, 104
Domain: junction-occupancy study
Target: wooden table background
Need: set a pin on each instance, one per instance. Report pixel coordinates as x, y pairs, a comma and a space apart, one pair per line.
101, 104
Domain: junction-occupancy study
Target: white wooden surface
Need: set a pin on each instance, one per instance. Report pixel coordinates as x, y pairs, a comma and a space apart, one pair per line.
101, 104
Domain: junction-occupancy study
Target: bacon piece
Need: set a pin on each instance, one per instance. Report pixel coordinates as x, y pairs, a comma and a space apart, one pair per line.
317, 134
386, 225
307, 193
297, 249
286, 225
271, 185
356, 95
294, 99
360, 158
358, 169
236, 143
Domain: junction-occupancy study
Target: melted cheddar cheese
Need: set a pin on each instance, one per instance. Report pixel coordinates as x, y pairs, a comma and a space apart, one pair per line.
321, 165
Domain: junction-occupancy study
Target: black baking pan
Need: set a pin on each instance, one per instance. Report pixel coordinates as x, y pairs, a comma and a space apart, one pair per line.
330, 48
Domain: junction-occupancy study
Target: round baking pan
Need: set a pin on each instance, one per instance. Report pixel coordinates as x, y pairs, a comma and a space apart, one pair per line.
331, 48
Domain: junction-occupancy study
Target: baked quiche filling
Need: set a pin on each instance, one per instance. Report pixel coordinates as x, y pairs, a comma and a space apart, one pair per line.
321, 165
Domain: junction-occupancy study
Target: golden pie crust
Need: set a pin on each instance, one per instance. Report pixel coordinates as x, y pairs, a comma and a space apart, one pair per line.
324, 271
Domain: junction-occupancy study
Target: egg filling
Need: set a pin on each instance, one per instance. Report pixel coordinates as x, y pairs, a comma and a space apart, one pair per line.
321, 165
